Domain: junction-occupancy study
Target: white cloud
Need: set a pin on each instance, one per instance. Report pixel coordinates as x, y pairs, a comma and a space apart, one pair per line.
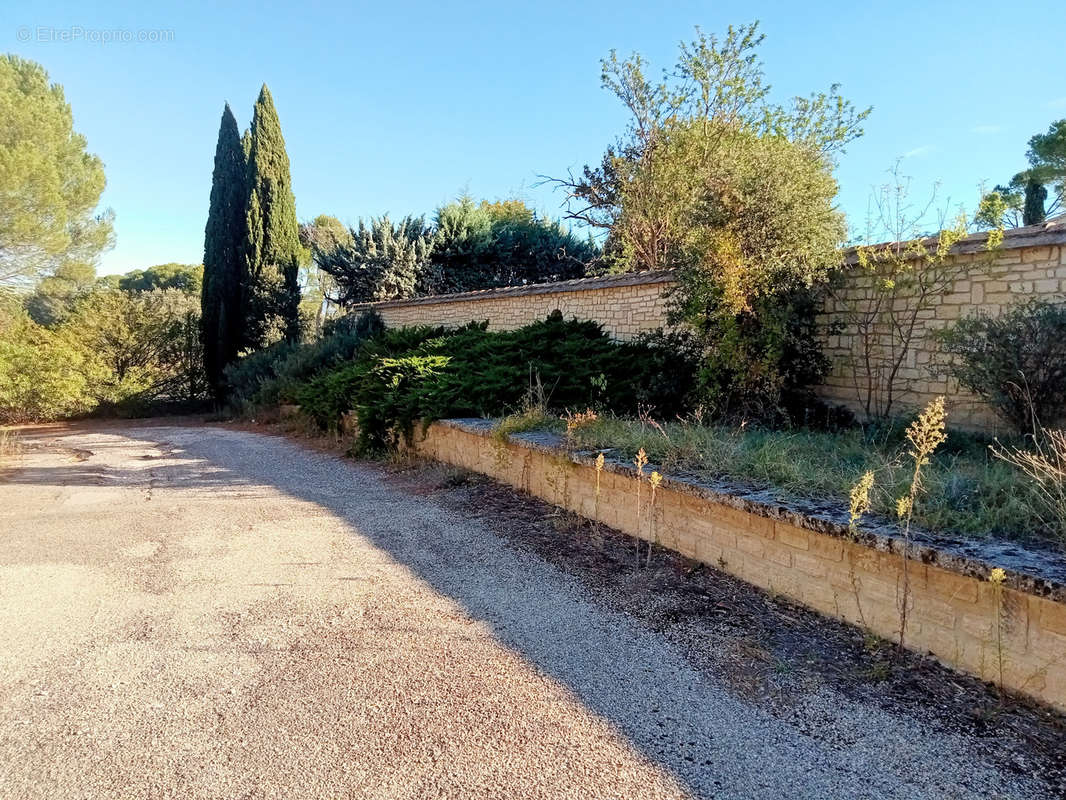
924, 150
986, 130
1058, 102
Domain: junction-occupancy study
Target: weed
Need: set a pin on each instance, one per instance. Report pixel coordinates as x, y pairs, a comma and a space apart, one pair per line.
877, 671
9, 444
860, 499
1045, 465
654, 479
599, 472
970, 491
577, 420
640, 462
925, 435
996, 578
532, 415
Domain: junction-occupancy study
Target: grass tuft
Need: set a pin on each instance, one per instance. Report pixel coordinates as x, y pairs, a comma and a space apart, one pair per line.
967, 490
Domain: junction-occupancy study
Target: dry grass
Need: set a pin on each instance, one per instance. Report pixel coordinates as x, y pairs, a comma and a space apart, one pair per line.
1044, 463
966, 489
9, 443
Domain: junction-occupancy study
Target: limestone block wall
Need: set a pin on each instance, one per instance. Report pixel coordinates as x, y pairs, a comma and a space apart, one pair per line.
626, 305
987, 283
1030, 263
1012, 633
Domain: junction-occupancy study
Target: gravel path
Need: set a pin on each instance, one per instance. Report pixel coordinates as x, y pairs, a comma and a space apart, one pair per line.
200, 612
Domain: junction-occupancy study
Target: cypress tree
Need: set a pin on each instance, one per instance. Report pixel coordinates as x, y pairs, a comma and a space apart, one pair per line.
224, 241
274, 252
1035, 194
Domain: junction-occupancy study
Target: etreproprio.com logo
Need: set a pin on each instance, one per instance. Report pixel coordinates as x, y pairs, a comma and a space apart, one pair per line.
50, 34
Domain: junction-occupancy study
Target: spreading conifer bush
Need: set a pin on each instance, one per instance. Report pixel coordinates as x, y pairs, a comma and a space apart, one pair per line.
409, 375
272, 375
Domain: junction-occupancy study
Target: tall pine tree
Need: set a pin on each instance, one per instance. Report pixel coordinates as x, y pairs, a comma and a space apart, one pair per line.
274, 252
225, 238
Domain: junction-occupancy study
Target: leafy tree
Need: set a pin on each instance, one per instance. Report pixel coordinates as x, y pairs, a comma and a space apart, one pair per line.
486, 245
114, 349
274, 252
322, 234
1024, 200
1000, 208
43, 374
1047, 162
225, 242
108, 282
709, 107
54, 297
141, 346
737, 194
187, 278
51, 185
382, 261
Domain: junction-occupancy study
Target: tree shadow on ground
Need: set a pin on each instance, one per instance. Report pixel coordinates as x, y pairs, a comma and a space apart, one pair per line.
676, 716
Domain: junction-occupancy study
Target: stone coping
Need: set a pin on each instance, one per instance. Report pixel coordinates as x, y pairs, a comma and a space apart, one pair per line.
1028, 570
1046, 234
575, 285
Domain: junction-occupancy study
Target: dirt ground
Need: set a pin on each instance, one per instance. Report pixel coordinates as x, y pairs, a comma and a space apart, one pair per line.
205, 611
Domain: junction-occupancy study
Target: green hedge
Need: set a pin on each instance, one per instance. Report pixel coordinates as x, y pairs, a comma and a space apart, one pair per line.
409, 375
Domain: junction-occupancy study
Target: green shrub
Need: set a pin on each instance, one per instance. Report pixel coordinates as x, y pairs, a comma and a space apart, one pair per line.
272, 375
113, 352
43, 375
412, 374
332, 393
1015, 362
365, 325
759, 365
245, 378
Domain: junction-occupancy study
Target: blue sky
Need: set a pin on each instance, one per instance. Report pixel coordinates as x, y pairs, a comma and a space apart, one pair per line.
398, 107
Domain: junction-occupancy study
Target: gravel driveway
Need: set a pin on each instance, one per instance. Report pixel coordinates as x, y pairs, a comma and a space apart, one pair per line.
200, 612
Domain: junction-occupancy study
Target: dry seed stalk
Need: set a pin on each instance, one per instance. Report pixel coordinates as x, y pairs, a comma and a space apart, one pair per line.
640, 461
925, 435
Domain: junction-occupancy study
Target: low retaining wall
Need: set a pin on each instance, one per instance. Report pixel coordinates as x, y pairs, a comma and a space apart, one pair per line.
1011, 633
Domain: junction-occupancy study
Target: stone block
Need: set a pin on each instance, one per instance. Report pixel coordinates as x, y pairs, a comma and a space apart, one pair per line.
792, 536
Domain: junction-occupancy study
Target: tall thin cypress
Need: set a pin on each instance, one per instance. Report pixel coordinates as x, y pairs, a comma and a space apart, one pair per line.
225, 238
1033, 212
274, 252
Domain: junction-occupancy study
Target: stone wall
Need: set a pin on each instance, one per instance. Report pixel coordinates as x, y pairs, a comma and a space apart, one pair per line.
625, 305
1030, 263
1013, 633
